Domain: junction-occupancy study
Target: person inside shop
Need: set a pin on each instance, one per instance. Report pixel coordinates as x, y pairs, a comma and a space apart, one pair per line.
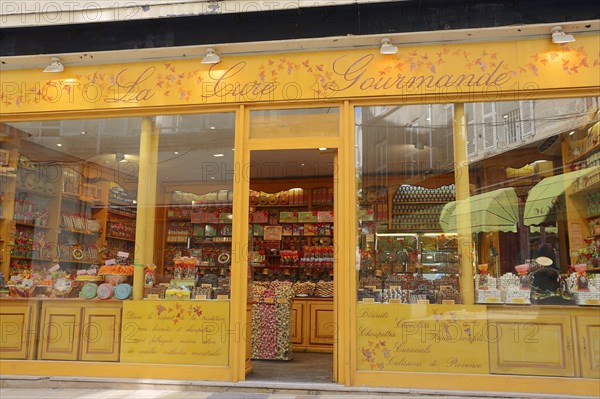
545, 250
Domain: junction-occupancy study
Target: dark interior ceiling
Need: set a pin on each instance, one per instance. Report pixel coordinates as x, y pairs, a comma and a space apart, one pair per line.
289, 24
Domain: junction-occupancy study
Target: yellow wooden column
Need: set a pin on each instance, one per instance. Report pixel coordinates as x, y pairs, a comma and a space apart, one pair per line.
146, 202
463, 219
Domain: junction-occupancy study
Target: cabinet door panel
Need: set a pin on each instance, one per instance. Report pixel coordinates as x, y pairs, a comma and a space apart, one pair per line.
19, 330
322, 326
60, 331
101, 334
588, 335
531, 344
298, 323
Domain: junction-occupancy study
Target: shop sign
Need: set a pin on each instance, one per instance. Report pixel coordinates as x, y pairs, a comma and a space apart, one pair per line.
423, 338
438, 73
175, 332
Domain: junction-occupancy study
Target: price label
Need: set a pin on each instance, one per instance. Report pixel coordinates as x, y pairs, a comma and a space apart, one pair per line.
592, 301
395, 301
423, 301
493, 299
121, 254
55, 268
370, 287
200, 297
448, 302
205, 286
268, 300
394, 287
369, 300
222, 297
110, 262
519, 301
153, 296
281, 300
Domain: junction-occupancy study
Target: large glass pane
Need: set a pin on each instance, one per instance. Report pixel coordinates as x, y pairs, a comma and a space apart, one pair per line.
114, 209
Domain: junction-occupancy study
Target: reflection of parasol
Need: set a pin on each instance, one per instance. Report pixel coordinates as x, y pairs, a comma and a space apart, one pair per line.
544, 200
493, 211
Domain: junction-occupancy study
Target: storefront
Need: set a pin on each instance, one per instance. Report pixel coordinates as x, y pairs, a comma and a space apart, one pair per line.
409, 198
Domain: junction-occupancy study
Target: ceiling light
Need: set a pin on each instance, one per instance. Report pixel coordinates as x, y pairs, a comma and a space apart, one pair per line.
572, 132
218, 155
322, 148
387, 47
212, 127
55, 65
176, 152
560, 37
59, 145
211, 57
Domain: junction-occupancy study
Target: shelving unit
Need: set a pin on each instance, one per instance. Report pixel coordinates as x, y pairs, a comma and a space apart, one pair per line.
583, 198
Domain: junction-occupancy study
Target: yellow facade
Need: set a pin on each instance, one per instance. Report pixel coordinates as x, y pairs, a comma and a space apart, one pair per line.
346, 79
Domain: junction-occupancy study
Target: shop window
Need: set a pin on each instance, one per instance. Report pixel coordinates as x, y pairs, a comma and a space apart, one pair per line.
86, 202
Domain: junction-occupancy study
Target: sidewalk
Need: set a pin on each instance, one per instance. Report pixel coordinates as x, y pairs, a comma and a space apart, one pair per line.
98, 388
64, 393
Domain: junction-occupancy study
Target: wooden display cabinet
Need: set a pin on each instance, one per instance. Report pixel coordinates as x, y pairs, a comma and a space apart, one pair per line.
20, 318
313, 325
80, 330
588, 343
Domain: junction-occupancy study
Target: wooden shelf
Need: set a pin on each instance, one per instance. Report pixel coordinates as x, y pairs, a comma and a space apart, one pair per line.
83, 262
584, 155
29, 258
35, 192
592, 187
77, 198
284, 205
33, 225
124, 214
86, 232
120, 238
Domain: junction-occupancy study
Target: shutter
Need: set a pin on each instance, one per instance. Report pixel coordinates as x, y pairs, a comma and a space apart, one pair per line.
471, 129
489, 125
527, 119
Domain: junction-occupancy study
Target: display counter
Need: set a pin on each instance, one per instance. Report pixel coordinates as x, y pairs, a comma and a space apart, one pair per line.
313, 326
479, 339
60, 329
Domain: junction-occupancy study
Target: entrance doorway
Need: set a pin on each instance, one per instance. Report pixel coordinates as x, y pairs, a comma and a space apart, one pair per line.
291, 265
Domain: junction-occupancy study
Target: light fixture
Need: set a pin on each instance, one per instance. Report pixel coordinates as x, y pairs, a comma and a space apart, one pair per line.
322, 148
211, 57
176, 152
387, 47
560, 37
572, 132
58, 144
120, 157
55, 65
218, 155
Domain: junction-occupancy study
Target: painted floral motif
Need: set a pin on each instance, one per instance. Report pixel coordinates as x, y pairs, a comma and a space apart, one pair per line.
571, 59
178, 312
372, 352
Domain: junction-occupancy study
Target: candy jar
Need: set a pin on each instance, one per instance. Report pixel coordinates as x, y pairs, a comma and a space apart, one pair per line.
149, 276
522, 270
582, 280
483, 276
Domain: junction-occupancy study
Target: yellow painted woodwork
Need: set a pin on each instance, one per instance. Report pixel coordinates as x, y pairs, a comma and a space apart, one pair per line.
176, 332
322, 327
588, 343
101, 333
248, 338
443, 338
530, 343
298, 324
294, 125
18, 328
454, 71
463, 225
60, 330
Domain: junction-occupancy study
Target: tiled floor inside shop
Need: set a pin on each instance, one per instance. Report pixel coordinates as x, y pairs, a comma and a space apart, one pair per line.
305, 367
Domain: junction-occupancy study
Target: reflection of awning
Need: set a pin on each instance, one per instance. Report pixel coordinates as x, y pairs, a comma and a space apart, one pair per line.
494, 211
543, 199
